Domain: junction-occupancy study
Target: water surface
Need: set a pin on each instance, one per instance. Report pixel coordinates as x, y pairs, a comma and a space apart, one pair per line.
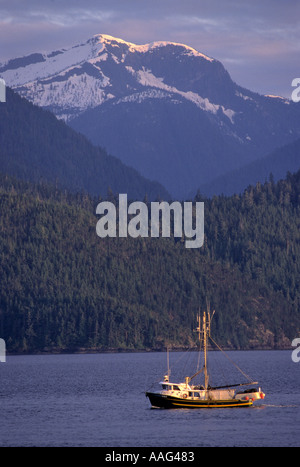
98, 400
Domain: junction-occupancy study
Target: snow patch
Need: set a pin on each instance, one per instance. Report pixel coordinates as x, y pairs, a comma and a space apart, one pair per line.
101, 58
271, 96
114, 41
53, 65
146, 78
77, 93
246, 98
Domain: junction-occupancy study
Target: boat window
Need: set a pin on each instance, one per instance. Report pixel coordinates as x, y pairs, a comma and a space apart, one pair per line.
176, 388
165, 387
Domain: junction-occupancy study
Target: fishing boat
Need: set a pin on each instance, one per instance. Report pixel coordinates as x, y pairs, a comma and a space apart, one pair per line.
174, 395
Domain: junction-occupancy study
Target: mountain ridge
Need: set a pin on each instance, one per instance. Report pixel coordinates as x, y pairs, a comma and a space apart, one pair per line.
170, 112
281, 161
88, 54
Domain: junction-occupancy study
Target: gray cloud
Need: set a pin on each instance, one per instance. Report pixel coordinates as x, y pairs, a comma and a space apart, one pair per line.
257, 41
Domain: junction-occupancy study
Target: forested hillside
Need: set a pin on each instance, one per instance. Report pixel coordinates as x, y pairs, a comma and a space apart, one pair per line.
64, 289
35, 146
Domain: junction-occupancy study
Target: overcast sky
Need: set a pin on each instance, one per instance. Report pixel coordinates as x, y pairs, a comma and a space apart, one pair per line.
258, 41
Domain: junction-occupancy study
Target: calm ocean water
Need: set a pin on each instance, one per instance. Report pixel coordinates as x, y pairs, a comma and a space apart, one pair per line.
98, 400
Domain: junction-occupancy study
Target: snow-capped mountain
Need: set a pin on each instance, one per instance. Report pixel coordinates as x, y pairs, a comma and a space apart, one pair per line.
70, 81
164, 108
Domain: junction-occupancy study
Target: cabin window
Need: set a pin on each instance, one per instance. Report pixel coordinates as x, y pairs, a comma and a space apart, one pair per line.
176, 388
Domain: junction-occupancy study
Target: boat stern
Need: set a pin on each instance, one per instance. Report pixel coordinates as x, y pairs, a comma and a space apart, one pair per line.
251, 394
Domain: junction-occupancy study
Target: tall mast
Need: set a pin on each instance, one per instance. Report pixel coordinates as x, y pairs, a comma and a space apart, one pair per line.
205, 330
205, 351
167, 376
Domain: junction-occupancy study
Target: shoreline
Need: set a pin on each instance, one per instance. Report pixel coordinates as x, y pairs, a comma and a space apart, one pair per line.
84, 351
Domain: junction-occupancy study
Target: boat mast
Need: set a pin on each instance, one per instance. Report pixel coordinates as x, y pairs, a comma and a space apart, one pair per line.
167, 376
205, 330
206, 376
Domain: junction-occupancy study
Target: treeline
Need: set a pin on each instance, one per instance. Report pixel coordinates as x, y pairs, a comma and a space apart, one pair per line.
63, 288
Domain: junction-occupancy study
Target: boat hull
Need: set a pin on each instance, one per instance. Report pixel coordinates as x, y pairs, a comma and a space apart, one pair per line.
169, 402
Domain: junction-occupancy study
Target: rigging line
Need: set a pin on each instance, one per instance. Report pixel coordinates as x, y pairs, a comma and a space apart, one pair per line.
236, 366
187, 364
181, 356
218, 367
176, 363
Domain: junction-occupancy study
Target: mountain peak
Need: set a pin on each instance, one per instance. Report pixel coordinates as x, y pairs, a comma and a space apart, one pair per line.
163, 108
37, 66
72, 80
143, 48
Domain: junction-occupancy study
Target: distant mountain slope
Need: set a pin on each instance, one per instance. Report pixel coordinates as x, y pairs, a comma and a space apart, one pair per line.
163, 108
281, 161
34, 145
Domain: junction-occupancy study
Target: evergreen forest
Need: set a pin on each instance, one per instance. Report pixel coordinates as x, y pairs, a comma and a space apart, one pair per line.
64, 289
